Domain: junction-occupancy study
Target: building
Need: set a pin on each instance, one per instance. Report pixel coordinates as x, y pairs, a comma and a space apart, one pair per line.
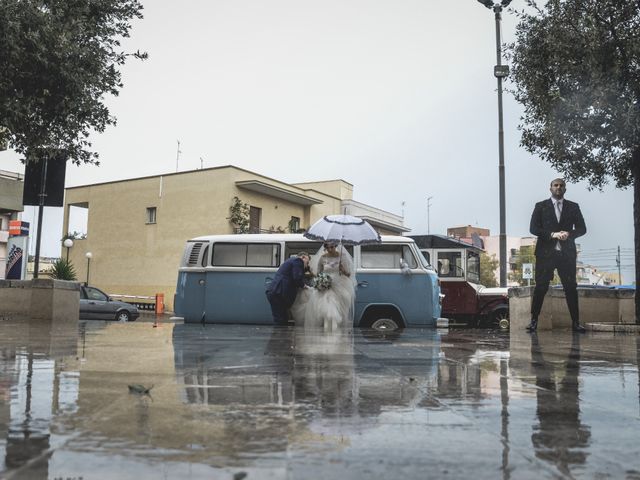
467, 232
136, 229
590, 275
11, 187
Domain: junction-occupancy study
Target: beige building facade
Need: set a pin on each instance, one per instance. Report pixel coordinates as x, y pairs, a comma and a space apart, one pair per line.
136, 229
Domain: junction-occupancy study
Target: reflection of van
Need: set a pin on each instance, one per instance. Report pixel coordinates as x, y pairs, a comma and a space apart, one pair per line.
223, 278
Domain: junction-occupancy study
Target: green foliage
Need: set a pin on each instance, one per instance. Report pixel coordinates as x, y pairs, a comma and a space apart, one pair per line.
75, 236
63, 270
488, 266
239, 215
524, 255
58, 61
576, 72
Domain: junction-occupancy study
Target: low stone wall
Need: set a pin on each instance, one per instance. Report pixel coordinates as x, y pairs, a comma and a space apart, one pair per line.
597, 305
55, 301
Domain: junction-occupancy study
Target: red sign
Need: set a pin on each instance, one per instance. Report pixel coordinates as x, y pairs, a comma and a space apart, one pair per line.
18, 228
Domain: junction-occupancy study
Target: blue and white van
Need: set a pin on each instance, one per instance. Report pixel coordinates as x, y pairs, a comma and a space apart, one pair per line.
223, 278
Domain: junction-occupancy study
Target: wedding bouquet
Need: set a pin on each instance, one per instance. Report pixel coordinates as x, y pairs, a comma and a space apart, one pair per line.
322, 282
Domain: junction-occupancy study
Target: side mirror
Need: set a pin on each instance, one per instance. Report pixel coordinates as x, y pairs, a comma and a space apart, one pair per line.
404, 266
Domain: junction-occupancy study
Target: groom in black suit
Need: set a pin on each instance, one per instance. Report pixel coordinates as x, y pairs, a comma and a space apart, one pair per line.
557, 223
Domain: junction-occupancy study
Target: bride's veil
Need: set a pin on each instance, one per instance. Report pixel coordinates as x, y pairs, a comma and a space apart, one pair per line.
346, 260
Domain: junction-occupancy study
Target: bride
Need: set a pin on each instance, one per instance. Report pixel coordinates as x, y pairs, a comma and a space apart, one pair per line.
331, 304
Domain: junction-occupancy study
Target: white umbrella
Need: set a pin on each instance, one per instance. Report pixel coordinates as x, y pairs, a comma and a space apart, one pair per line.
345, 229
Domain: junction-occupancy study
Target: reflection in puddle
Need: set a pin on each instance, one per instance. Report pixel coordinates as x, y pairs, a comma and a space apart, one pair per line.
292, 403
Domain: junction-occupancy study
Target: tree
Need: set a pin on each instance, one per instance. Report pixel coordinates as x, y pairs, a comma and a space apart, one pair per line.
58, 60
576, 70
488, 266
239, 215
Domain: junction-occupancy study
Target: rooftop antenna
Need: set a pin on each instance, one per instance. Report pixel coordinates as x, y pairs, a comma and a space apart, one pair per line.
201, 163
403, 202
178, 152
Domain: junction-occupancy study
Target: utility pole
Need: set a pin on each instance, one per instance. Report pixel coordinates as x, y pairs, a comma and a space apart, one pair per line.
178, 152
619, 269
428, 215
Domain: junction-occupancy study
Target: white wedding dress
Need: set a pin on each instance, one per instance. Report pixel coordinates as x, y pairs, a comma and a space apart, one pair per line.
330, 309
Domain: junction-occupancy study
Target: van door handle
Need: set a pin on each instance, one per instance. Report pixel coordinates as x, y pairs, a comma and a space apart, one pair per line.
363, 284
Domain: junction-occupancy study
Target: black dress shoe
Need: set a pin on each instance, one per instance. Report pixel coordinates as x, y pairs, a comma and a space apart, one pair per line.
533, 325
578, 328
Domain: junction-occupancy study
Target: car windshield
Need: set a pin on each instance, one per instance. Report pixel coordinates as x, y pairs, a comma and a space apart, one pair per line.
95, 294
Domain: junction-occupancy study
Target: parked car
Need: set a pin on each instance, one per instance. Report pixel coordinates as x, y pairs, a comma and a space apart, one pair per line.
466, 301
97, 305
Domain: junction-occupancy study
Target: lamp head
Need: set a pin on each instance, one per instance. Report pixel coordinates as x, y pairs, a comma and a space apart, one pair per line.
88, 255
68, 243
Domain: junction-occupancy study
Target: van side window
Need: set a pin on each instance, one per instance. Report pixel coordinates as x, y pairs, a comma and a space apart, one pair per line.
246, 255
205, 256
386, 256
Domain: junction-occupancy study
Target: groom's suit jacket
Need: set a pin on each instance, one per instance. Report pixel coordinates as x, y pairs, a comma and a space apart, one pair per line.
544, 223
289, 277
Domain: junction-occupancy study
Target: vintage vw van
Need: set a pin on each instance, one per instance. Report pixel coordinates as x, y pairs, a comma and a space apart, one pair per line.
223, 278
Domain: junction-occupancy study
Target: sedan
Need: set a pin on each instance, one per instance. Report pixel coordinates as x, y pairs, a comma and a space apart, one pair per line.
97, 305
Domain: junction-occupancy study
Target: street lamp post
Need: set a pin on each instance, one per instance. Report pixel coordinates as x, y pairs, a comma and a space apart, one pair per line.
500, 71
68, 243
88, 255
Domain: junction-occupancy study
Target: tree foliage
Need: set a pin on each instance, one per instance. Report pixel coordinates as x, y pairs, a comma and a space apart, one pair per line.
488, 266
576, 71
58, 60
239, 215
523, 255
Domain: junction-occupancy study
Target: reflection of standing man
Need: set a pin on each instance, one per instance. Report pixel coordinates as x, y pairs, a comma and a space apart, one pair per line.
557, 223
282, 292
560, 438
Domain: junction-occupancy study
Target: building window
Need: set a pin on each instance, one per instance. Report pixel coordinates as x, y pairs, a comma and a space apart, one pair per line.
151, 214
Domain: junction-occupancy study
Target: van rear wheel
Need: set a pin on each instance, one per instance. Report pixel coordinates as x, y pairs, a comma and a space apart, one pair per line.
385, 325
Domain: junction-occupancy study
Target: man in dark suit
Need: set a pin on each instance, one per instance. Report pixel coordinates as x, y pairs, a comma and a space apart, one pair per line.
283, 290
557, 223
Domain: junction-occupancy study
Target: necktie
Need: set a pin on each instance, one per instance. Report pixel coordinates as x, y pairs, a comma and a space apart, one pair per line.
558, 209
558, 213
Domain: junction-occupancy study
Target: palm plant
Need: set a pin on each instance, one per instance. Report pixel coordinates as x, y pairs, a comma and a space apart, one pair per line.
63, 270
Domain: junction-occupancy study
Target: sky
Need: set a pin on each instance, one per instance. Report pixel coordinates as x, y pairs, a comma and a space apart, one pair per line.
396, 97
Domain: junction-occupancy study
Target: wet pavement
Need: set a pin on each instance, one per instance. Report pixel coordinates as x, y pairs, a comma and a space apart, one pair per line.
235, 402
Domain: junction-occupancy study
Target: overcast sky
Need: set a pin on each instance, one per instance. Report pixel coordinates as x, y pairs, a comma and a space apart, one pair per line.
396, 97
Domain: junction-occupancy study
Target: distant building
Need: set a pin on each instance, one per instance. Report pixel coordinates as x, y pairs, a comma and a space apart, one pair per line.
467, 231
590, 275
136, 229
11, 187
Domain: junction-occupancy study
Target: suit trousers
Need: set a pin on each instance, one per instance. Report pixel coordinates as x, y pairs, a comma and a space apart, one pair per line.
566, 266
279, 308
